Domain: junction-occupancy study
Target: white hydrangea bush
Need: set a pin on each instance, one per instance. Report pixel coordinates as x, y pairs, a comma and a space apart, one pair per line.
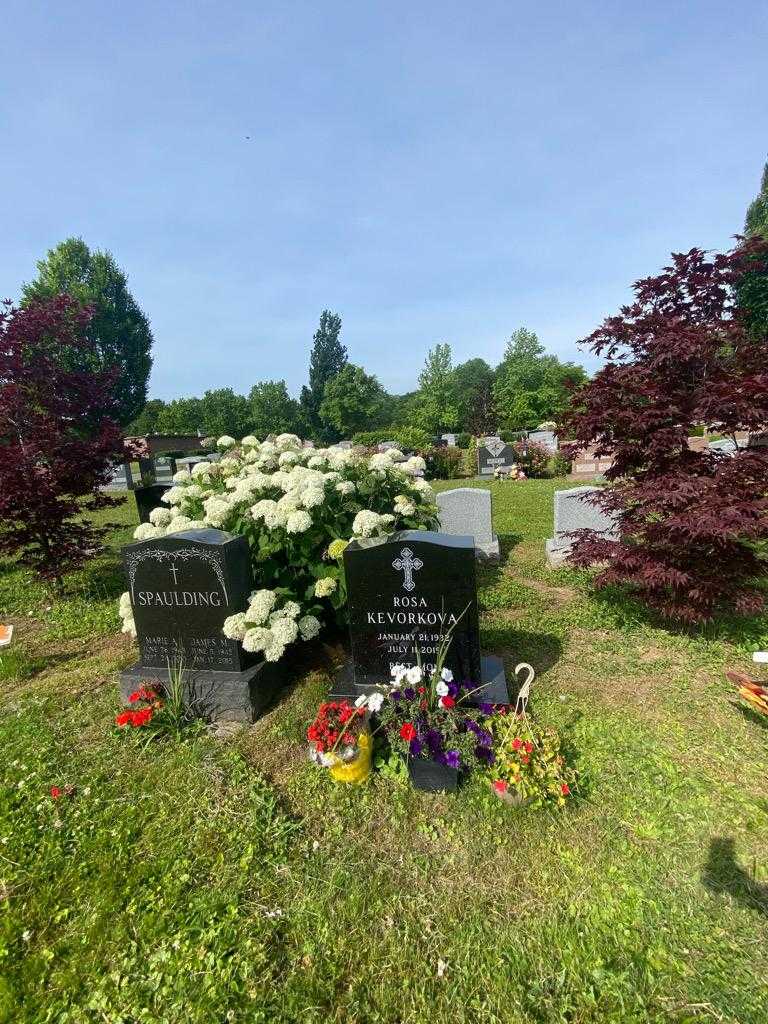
298, 508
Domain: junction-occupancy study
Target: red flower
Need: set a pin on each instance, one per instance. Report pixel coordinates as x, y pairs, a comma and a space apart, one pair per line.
123, 718
528, 746
500, 786
407, 732
422, 690
524, 759
447, 702
565, 789
55, 792
517, 743
143, 717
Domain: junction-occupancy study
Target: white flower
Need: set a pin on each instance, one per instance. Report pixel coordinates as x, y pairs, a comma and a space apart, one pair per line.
325, 586
249, 441
286, 442
125, 606
413, 675
261, 604
284, 631
398, 673
379, 462
414, 465
179, 524
183, 476
217, 510
441, 690
201, 469
309, 627
375, 701
312, 497
288, 459
394, 454
225, 441
298, 522
146, 531
366, 523
346, 487
403, 505
361, 700
289, 611
274, 651
446, 675
257, 639
174, 495
234, 626
263, 509
160, 516
316, 462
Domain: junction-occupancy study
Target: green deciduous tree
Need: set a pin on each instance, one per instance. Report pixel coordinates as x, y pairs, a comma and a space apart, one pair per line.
146, 421
530, 385
327, 358
474, 382
225, 412
752, 289
353, 400
436, 405
181, 416
273, 411
756, 222
118, 330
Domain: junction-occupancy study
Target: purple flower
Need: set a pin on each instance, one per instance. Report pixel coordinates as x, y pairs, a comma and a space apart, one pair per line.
453, 689
451, 758
485, 755
409, 693
472, 726
416, 746
434, 740
395, 695
484, 738
486, 708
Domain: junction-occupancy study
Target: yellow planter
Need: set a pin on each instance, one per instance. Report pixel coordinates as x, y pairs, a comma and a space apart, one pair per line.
356, 771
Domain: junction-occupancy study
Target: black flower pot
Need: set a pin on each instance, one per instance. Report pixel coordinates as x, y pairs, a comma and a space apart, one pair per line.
431, 776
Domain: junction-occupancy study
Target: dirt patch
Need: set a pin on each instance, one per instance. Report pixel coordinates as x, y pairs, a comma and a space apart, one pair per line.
558, 595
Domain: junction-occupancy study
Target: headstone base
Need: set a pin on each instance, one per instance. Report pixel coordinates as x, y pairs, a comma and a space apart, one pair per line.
488, 551
557, 553
215, 696
493, 683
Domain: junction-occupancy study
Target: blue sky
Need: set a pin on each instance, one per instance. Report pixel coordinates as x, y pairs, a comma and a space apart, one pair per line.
433, 172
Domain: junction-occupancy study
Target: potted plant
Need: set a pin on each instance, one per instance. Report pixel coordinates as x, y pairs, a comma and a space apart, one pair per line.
340, 740
528, 765
426, 721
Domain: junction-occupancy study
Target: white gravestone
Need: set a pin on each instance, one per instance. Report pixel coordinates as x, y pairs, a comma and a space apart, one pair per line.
574, 512
467, 511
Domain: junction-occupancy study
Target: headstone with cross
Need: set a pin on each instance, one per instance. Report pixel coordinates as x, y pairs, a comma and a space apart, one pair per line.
406, 592
182, 587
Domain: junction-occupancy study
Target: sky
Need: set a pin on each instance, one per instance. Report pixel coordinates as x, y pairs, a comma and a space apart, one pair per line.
433, 172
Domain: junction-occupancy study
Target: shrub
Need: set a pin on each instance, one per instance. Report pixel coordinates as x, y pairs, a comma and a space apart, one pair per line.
463, 440
532, 457
58, 443
298, 508
690, 524
412, 439
559, 465
443, 463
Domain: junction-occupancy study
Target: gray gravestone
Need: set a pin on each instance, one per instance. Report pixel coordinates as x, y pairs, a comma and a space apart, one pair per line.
574, 512
469, 510
450, 439
494, 454
182, 588
546, 437
406, 591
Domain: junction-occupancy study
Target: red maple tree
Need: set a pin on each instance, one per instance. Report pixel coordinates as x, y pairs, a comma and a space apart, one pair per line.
691, 525
58, 441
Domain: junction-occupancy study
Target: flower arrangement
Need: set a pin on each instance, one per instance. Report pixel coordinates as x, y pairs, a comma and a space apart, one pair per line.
145, 703
423, 717
298, 508
340, 739
529, 766
513, 472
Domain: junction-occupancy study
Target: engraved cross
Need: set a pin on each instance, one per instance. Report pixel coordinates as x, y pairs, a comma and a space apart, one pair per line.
406, 564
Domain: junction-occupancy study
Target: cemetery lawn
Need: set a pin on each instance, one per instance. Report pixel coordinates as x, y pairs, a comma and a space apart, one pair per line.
229, 880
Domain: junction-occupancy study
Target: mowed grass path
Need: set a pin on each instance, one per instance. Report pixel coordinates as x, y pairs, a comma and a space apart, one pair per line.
231, 881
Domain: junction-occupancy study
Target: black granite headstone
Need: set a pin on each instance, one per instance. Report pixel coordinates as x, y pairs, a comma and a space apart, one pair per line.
408, 591
493, 455
182, 588
148, 498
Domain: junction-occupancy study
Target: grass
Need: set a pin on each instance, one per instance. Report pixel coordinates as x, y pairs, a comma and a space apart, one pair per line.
231, 881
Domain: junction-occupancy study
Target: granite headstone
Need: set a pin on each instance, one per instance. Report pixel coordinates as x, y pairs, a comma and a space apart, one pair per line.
182, 588
494, 454
406, 591
573, 511
468, 510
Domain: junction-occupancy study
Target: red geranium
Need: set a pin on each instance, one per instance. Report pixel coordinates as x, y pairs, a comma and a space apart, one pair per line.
336, 721
517, 743
407, 731
501, 786
565, 789
55, 792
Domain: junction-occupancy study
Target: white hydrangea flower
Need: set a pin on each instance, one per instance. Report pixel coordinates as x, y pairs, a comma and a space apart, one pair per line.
298, 522
366, 523
289, 611
394, 454
346, 487
160, 516
234, 626
380, 461
312, 497
225, 441
264, 508
129, 626
288, 458
256, 639
316, 462
217, 509
146, 531
309, 627
261, 604
179, 525
287, 442
201, 470
403, 505
183, 476
284, 631
174, 495
125, 606
249, 441
325, 586
274, 651
423, 488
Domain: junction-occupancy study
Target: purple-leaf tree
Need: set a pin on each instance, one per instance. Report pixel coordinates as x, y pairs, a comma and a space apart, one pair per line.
691, 525
58, 440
